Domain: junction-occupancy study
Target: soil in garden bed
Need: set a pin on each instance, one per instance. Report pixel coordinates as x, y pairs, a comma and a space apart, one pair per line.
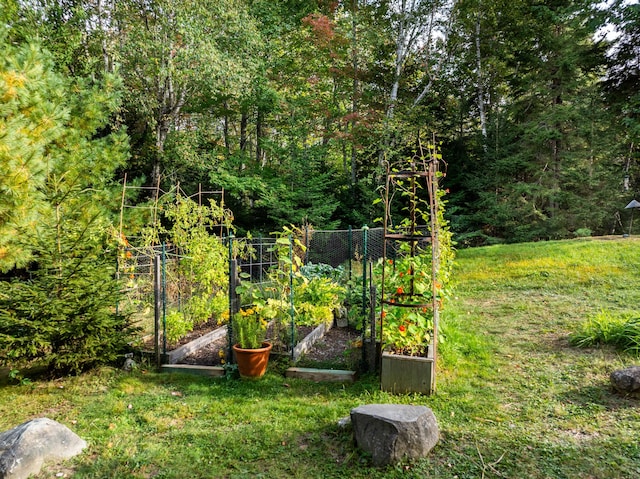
333, 349
198, 330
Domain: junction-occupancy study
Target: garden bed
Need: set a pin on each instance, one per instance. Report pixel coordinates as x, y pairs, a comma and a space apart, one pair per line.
329, 348
202, 335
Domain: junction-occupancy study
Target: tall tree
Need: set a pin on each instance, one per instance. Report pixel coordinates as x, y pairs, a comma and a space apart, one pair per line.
180, 57
545, 127
58, 160
622, 84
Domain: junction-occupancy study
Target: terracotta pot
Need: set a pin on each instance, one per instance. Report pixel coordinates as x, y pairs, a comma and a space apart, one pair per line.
252, 363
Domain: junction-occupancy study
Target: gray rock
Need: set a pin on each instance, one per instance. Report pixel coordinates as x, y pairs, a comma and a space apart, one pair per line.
344, 422
129, 365
391, 432
25, 448
627, 380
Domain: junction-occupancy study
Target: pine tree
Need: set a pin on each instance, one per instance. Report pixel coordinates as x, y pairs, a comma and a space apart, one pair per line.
57, 166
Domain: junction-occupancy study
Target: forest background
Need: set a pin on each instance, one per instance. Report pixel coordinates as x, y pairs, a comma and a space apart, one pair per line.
293, 106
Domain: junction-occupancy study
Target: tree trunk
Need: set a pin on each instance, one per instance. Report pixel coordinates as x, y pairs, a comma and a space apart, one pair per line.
225, 129
259, 137
244, 120
483, 118
356, 86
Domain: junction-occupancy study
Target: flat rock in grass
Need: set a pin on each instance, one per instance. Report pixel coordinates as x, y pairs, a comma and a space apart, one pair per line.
25, 448
392, 432
627, 380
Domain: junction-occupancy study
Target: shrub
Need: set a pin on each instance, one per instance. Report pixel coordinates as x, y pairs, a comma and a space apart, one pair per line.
322, 270
64, 319
583, 232
178, 326
621, 331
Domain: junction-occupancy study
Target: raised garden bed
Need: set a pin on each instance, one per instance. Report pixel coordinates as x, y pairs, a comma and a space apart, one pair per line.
324, 355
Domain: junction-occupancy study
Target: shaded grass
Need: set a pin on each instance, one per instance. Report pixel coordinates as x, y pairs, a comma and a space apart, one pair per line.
514, 398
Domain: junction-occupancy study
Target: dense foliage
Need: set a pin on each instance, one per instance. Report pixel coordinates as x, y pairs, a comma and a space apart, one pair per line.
292, 108
58, 164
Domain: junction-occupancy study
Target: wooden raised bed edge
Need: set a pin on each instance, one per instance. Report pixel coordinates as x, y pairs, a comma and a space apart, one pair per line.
172, 357
312, 374
211, 371
317, 375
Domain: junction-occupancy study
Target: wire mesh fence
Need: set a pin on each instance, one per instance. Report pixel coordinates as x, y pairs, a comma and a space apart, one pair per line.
162, 298
338, 247
158, 305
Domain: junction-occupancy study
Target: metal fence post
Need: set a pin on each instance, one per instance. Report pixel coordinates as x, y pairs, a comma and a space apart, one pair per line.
233, 297
157, 307
292, 306
164, 299
365, 241
350, 251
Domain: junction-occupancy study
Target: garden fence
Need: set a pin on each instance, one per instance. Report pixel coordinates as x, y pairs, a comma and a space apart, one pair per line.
152, 293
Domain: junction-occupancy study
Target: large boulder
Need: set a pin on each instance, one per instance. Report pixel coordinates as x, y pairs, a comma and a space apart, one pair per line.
627, 381
391, 432
25, 448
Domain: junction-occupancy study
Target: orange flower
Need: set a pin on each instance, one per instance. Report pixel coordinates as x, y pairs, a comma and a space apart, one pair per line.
400, 290
383, 314
402, 328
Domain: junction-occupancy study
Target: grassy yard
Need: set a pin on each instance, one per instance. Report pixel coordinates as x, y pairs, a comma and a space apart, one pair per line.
514, 399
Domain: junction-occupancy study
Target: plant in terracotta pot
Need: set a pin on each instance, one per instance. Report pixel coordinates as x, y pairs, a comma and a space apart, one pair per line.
251, 348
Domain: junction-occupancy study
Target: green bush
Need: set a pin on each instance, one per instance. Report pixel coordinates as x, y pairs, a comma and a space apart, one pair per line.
583, 232
315, 300
322, 270
63, 319
621, 331
59, 308
178, 326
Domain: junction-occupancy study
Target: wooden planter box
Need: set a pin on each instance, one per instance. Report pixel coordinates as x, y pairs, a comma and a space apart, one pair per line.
172, 357
309, 340
407, 374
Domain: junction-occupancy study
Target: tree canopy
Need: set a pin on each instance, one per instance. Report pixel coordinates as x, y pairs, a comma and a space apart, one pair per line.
293, 107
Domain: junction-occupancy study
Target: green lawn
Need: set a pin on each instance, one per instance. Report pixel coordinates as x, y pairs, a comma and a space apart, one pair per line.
514, 399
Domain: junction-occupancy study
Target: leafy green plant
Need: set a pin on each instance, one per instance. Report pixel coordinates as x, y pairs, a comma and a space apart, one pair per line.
178, 326
201, 265
583, 232
250, 328
17, 376
417, 281
315, 300
322, 270
408, 317
274, 295
407, 331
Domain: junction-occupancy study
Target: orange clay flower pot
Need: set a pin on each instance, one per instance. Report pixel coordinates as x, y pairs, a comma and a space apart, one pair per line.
252, 363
